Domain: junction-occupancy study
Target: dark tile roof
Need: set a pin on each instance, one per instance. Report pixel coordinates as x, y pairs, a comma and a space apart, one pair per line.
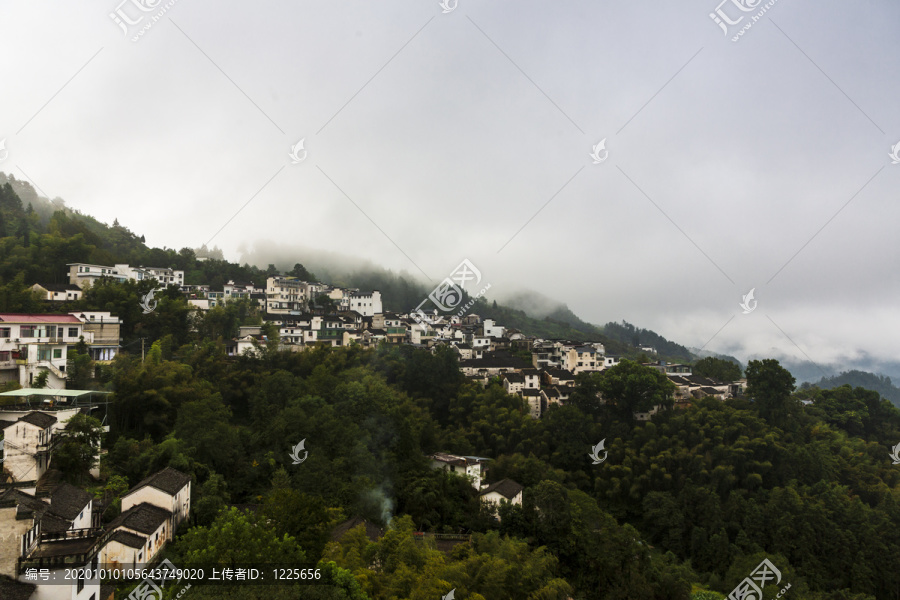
168, 480
51, 523
129, 539
13, 590
450, 459
496, 360
514, 377
144, 518
60, 287
531, 392
67, 501
560, 373
505, 487
26, 503
373, 532
42, 420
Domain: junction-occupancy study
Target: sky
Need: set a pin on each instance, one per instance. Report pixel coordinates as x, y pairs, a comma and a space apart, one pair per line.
433, 133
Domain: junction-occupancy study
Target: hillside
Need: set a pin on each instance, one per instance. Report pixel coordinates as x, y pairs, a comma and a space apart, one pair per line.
869, 381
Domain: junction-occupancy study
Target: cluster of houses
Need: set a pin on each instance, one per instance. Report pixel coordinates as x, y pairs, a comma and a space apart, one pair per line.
311, 314
48, 526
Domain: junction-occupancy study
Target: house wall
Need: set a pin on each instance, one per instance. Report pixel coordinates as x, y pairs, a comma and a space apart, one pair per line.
11, 531
20, 445
179, 504
115, 554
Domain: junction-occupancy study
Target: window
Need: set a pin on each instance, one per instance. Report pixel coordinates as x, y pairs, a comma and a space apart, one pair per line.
57, 353
80, 584
5, 332
73, 331
27, 331
43, 353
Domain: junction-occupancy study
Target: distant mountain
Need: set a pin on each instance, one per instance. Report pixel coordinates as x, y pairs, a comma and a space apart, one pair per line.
627, 333
869, 381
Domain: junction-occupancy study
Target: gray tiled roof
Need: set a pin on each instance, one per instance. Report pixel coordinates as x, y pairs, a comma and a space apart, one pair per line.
129, 539
168, 480
505, 487
68, 501
42, 420
144, 518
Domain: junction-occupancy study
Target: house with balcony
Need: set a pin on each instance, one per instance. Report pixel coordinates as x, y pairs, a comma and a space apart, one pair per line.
84, 275
286, 295
103, 329
54, 532
31, 343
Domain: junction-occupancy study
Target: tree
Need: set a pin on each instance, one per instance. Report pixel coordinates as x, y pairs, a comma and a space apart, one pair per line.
770, 385
717, 369
76, 447
40, 382
634, 388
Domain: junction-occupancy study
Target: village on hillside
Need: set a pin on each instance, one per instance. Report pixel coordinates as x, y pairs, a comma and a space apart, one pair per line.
48, 526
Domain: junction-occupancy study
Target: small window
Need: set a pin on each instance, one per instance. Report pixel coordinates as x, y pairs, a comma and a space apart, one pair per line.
73, 331
57, 353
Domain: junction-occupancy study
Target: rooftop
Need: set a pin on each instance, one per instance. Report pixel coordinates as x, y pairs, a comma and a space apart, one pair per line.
35, 318
144, 518
505, 487
168, 480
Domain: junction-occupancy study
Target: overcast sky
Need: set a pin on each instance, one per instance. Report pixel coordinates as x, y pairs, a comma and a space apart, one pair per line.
433, 136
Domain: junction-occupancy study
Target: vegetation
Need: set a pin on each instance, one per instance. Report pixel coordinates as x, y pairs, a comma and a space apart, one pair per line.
684, 506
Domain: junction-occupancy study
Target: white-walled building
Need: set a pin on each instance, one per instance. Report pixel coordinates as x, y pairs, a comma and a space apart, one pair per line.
286, 295
168, 489
505, 490
470, 466
366, 304
31, 343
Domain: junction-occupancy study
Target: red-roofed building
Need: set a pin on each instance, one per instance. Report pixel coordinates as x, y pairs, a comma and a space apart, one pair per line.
32, 343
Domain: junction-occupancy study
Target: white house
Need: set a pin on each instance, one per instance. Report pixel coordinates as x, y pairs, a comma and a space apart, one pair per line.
505, 490
169, 489
286, 295
31, 343
27, 444
492, 330
366, 304
58, 292
470, 466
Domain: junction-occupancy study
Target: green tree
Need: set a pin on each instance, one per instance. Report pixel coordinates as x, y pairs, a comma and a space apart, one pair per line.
633, 388
76, 447
717, 369
770, 385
